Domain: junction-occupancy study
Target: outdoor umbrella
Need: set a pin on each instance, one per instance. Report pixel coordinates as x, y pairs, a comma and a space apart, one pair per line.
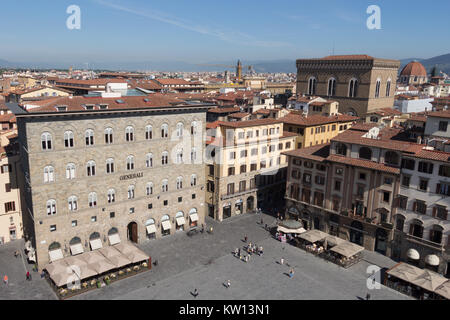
125, 248
429, 280
56, 267
102, 266
85, 272
120, 261
137, 256
92, 257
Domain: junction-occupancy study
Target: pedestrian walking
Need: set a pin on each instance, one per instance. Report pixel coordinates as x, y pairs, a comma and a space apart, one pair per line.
203, 228
245, 238
291, 273
239, 252
28, 276
16, 253
247, 258
5, 279
368, 296
228, 283
265, 226
262, 221
281, 261
195, 293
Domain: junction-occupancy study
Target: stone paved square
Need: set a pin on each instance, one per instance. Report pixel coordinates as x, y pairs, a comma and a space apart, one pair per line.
205, 261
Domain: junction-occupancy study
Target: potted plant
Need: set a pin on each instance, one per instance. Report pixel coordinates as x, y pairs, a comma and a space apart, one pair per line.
99, 284
128, 270
107, 280
112, 276
63, 292
136, 268
93, 282
145, 265
121, 273
84, 285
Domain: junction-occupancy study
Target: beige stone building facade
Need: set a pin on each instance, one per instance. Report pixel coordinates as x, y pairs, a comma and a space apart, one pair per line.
359, 83
138, 172
247, 170
11, 177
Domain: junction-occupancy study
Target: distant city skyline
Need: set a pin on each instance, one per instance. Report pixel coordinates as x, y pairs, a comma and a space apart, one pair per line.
204, 31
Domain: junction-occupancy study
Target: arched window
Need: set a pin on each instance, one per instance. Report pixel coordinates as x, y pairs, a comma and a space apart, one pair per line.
149, 160
109, 135
165, 158
51, 207
49, 174
377, 88
193, 180
130, 163
341, 149
436, 233
164, 131
353, 88
194, 130
180, 128
149, 188
73, 203
165, 218
179, 183
416, 228
129, 134
193, 155
111, 195
46, 139
312, 83
89, 137
92, 198
365, 153
131, 192
70, 171
148, 132
331, 87
165, 185
110, 165
68, 139
391, 158
388, 88
399, 222
180, 156
90, 168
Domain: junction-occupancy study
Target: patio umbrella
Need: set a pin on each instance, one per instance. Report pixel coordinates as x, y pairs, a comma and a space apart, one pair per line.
92, 257
313, 236
429, 280
56, 267
347, 249
444, 290
65, 278
85, 272
102, 266
75, 261
405, 272
125, 248
137, 256
109, 252
120, 261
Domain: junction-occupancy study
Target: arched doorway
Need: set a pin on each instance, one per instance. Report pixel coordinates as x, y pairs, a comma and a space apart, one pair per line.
132, 232
381, 241
356, 234
250, 203
226, 210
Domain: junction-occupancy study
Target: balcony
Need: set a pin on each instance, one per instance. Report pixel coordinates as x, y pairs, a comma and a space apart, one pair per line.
428, 243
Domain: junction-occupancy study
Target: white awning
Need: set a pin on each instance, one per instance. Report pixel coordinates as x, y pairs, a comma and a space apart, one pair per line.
432, 260
290, 231
151, 228
413, 254
76, 249
181, 221
114, 239
56, 255
166, 225
96, 244
194, 217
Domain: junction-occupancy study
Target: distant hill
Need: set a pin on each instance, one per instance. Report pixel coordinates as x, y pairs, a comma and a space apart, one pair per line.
442, 62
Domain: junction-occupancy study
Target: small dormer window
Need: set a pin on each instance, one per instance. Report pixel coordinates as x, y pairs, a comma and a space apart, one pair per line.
120, 101
89, 107
103, 106
61, 108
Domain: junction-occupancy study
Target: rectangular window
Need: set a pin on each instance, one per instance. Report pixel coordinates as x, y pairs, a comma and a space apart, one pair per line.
425, 167
423, 185
230, 188
406, 180
112, 215
386, 196
440, 212
243, 169
408, 164
232, 155
94, 219
242, 186
243, 153
74, 223
337, 185
53, 228
402, 202
254, 151
443, 126
231, 171
320, 180
7, 187
307, 178
388, 181
10, 206
253, 167
420, 207
444, 171
443, 188
362, 176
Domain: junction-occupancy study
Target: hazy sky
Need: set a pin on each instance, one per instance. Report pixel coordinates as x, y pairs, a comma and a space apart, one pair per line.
208, 30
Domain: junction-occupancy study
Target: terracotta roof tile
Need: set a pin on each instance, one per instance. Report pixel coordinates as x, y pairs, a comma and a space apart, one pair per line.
315, 120
363, 164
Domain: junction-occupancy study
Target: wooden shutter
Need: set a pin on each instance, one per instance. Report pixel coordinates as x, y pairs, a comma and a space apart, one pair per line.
434, 212
415, 206
438, 188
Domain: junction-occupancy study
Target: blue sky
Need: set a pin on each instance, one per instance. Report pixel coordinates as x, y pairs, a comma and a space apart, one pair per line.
203, 31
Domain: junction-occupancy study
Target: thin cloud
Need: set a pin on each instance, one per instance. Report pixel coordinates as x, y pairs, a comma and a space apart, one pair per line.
234, 37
